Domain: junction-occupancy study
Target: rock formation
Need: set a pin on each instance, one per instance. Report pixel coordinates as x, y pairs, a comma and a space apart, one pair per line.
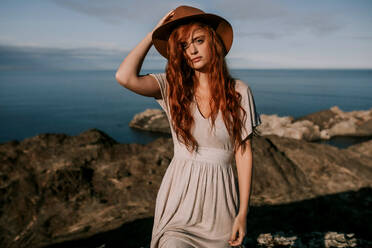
320, 125
154, 120
335, 122
70, 191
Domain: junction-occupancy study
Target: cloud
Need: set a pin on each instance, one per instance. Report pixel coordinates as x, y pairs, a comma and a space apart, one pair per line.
16, 58
41, 58
263, 11
272, 14
115, 11
318, 23
362, 37
251, 9
262, 35
46, 58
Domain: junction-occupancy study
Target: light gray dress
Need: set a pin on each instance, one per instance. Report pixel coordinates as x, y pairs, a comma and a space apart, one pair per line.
198, 197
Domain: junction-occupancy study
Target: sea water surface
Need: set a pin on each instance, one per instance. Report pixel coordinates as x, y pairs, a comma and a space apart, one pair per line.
70, 102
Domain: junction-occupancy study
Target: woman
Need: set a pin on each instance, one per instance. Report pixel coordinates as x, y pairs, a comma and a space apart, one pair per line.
212, 118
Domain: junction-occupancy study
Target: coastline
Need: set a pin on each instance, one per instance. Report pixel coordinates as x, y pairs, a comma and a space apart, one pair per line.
61, 102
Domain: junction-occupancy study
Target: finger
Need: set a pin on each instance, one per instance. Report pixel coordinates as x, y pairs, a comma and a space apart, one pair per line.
241, 237
233, 236
171, 12
237, 240
236, 243
240, 240
169, 16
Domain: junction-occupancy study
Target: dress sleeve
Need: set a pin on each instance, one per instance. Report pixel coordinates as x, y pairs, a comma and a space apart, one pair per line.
163, 85
253, 117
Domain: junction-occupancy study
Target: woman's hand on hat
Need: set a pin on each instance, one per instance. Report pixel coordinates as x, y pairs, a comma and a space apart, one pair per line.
165, 18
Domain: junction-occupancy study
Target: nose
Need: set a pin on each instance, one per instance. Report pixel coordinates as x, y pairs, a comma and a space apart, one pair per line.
193, 49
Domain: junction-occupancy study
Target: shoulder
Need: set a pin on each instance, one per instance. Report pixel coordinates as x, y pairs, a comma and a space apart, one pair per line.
159, 76
241, 87
161, 79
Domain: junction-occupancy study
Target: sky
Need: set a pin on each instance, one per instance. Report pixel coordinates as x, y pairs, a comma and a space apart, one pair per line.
268, 34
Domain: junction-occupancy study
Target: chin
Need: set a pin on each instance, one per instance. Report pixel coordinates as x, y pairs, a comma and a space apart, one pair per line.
199, 67
202, 69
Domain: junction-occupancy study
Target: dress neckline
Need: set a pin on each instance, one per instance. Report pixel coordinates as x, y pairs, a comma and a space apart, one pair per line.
200, 113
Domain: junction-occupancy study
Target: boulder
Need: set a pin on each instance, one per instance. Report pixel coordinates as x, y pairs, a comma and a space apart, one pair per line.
335, 122
154, 120
324, 124
286, 127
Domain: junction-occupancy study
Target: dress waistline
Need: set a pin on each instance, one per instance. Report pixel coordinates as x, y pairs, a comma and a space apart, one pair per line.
207, 154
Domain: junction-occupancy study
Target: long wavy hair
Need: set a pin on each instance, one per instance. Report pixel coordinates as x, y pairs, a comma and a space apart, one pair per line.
181, 78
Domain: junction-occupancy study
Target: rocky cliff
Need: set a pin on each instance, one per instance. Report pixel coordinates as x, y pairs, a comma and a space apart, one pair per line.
90, 191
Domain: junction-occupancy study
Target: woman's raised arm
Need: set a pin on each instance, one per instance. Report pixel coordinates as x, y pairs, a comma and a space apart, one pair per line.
127, 73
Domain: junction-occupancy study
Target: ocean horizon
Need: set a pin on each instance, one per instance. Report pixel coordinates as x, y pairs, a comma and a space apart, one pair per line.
70, 102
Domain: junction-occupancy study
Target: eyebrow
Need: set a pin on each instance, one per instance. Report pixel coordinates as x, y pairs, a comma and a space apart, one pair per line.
199, 36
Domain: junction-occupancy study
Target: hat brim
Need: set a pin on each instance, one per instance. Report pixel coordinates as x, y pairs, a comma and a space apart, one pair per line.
222, 27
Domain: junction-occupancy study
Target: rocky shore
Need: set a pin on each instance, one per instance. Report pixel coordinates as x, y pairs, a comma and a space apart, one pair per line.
88, 190
324, 124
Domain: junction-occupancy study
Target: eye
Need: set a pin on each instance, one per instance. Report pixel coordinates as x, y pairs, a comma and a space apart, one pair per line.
200, 41
183, 45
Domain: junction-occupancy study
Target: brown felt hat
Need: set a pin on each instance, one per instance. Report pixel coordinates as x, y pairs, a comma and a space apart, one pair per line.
184, 14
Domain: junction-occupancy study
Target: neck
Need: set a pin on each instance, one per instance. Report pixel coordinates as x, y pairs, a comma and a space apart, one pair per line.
202, 80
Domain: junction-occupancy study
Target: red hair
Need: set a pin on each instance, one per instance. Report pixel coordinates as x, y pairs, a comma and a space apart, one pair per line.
181, 78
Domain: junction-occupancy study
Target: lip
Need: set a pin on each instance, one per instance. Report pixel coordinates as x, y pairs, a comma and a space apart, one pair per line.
196, 59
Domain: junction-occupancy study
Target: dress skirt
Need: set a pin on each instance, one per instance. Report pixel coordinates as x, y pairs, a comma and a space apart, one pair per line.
197, 200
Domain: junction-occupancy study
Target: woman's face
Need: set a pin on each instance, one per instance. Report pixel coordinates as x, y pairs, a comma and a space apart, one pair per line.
196, 49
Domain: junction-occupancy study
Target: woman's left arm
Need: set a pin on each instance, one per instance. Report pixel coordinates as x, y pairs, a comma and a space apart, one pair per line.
244, 167
244, 162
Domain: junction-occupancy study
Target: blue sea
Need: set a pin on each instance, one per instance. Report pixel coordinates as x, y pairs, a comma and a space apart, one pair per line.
70, 102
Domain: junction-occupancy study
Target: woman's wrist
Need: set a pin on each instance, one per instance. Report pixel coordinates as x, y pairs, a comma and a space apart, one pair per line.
243, 213
241, 216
